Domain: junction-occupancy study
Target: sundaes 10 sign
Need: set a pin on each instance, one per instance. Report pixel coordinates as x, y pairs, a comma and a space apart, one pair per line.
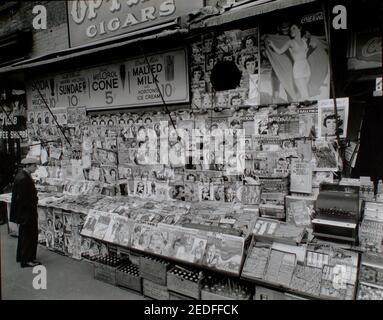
100, 19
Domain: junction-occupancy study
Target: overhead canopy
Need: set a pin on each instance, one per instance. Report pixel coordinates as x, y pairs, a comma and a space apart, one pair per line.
248, 10
70, 54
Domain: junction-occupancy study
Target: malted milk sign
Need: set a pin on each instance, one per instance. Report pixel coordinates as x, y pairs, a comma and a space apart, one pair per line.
100, 19
130, 83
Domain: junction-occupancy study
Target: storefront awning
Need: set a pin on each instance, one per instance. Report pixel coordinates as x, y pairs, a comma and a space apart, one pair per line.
248, 10
75, 52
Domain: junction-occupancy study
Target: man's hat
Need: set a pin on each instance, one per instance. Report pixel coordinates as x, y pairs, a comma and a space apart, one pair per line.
27, 161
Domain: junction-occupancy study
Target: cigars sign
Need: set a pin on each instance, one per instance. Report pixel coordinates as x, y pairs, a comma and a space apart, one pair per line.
131, 83
100, 19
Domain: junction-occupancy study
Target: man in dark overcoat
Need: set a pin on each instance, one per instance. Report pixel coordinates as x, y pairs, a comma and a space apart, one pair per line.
24, 213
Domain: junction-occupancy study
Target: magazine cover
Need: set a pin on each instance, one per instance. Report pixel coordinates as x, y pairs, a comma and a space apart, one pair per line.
224, 252
67, 217
300, 210
77, 223
119, 231
325, 156
328, 121
141, 236
231, 254
308, 121
90, 224
101, 226
68, 244
322, 177
58, 220
110, 174
42, 225
188, 247
204, 191
251, 194
140, 188
218, 192
294, 57
301, 177
158, 241
283, 125
50, 242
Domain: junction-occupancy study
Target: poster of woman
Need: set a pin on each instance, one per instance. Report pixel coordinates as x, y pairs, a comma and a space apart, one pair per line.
294, 58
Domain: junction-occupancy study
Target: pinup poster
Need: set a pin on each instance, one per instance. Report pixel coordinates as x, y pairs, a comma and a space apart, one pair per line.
294, 57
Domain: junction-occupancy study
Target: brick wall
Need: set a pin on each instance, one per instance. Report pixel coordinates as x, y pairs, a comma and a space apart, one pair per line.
20, 17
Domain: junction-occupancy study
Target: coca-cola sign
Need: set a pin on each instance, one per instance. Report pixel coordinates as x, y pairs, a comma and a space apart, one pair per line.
365, 50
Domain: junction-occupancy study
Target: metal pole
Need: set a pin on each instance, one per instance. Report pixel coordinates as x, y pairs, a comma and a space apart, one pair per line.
327, 25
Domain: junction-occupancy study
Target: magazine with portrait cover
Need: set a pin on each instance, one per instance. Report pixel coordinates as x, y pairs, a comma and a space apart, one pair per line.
301, 177
182, 192
67, 218
90, 224
58, 220
159, 240
300, 210
119, 231
232, 192
102, 225
110, 174
218, 192
59, 244
295, 57
50, 239
140, 236
68, 244
204, 191
329, 122
283, 125
141, 188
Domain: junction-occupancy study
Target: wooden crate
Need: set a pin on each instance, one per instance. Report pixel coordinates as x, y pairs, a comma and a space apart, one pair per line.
185, 287
207, 295
128, 280
154, 269
177, 296
154, 290
104, 273
262, 293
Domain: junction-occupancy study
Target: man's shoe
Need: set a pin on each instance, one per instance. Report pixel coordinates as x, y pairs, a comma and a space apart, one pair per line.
30, 264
